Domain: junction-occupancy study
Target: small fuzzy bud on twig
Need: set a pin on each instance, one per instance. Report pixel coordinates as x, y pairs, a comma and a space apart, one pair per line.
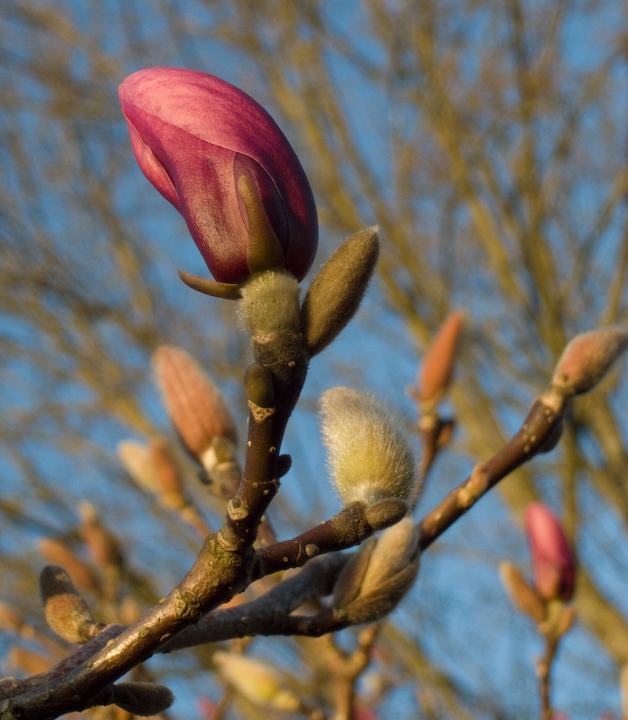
66, 611
139, 698
588, 358
523, 597
103, 547
438, 364
383, 570
336, 292
257, 682
369, 457
57, 552
553, 562
195, 405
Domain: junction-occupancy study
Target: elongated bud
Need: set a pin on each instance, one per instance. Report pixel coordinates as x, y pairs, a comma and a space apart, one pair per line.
257, 682
588, 358
166, 470
57, 552
335, 294
369, 457
9, 618
103, 547
523, 597
66, 611
553, 561
137, 461
438, 365
269, 312
194, 404
378, 576
31, 662
139, 698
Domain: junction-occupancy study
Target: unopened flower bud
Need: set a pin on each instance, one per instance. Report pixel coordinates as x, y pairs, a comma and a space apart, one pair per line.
143, 699
438, 364
103, 547
9, 618
378, 576
137, 461
66, 611
57, 552
336, 292
195, 405
369, 457
523, 597
29, 661
257, 682
553, 561
588, 358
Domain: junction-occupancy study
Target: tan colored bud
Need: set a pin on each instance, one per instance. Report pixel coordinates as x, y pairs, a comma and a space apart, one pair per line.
9, 618
195, 405
103, 547
166, 470
137, 461
588, 358
438, 365
57, 553
66, 611
369, 456
376, 579
337, 291
29, 661
524, 597
257, 682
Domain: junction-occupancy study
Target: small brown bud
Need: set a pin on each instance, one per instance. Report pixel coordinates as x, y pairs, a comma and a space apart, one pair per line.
103, 547
438, 365
336, 292
66, 611
29, 661
588, 358
137, 461
523, 597
140, 698
195, 405
9, 618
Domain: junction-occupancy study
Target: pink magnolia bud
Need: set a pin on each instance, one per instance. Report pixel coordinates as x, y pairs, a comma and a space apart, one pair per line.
438, 365
553, 561
194, 137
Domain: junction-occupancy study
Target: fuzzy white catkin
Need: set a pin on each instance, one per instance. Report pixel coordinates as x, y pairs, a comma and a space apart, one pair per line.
270, 303
369, 457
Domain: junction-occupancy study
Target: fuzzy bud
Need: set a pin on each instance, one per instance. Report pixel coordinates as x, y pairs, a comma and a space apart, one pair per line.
438, 365
588, 358
257, 682
66, 611
523, 597
137, 461
369, 457
335, 294
103, 547
378, 576
553, 561
57, 552
195, 405
144, 699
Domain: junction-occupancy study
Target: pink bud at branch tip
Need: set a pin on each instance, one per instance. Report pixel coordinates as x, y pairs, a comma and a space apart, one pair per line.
588, 358
553, 561
438, 365
225, 165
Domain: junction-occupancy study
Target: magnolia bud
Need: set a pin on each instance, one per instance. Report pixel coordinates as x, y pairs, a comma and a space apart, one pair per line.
195, 405
137, 461
523, 597
553, 561
103, 547
588, 358
438, 364
57, 553
378, 576
31, 662
257, 682
369, 457
336, 292
66, 611
144, 699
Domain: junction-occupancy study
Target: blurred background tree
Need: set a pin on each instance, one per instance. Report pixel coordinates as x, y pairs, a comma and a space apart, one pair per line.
488, 140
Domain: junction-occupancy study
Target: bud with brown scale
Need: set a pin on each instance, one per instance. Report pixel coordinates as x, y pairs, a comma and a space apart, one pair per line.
195, 405
588, 358
103, 547
136, 459
143, 699
66, 611
523, 597
57, 552
438, 364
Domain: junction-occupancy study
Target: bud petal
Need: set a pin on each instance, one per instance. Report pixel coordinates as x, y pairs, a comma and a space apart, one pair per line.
369, 456
588, 358
194, 136
553, 561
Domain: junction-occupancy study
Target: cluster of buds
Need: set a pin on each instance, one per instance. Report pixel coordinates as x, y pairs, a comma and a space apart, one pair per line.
553, 570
